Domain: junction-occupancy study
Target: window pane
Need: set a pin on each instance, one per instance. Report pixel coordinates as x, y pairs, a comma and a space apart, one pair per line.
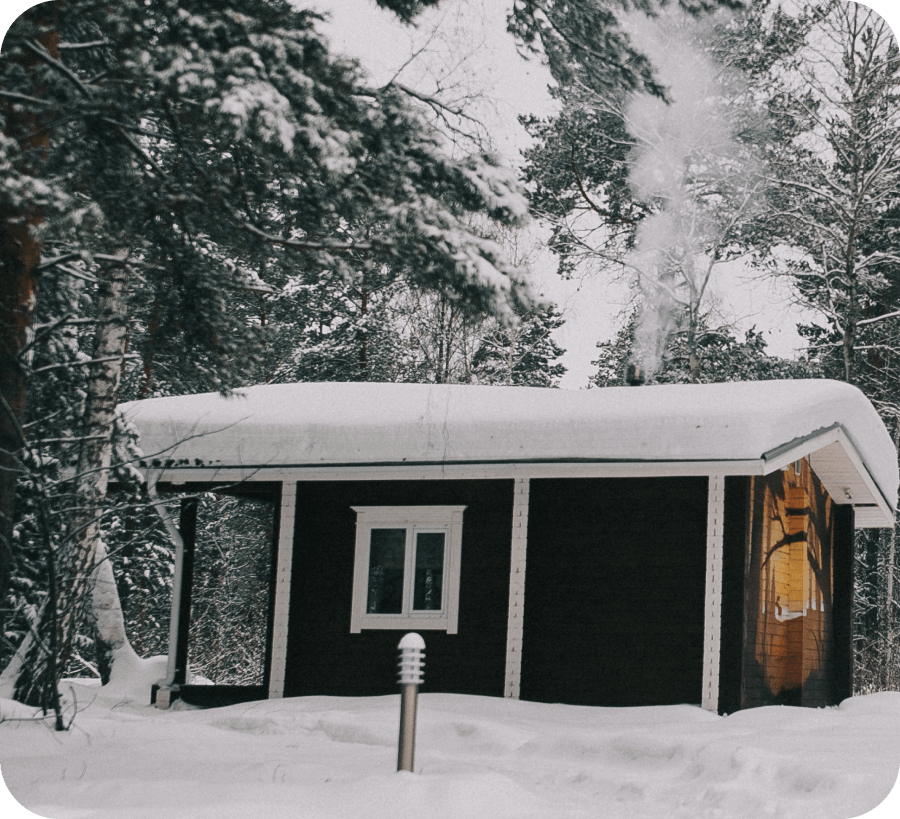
387, 554
429, 571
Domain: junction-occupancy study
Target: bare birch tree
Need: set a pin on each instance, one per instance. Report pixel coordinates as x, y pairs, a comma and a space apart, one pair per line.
834, 229
82, 566
838, 181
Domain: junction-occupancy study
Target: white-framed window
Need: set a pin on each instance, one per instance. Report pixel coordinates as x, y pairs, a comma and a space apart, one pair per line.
406, 573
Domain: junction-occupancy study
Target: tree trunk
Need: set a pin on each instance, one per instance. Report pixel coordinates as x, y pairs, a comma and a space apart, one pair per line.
850, 320
19, 257
693, 352
364, 336
82, 561
105, 611
150, 353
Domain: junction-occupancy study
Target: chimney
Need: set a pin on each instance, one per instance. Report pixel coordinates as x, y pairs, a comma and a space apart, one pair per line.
634, 375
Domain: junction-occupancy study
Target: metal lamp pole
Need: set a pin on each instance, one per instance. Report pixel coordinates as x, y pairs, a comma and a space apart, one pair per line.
412, 659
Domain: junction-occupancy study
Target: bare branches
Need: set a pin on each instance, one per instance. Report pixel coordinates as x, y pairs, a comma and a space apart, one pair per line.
303, 244
84, 46
90, 362
442, 109
24, 98
106, 258
584, 195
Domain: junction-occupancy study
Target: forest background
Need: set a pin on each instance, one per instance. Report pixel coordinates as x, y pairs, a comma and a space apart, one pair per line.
200, 196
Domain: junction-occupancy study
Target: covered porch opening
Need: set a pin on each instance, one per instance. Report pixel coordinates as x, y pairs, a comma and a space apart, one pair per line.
223, 641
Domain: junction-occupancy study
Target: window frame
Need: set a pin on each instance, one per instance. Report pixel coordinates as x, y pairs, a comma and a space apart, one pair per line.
413, 519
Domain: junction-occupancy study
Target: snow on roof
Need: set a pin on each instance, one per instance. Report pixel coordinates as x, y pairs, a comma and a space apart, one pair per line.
319, 424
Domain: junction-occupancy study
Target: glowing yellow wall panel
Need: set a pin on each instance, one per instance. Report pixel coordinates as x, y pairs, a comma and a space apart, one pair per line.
788, 607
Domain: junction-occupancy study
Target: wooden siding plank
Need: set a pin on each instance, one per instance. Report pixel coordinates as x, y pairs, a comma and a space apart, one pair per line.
516, 589
282, 589
713, 612
789, 656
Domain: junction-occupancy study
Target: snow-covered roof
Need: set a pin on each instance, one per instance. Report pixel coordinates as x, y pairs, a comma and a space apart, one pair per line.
329, 424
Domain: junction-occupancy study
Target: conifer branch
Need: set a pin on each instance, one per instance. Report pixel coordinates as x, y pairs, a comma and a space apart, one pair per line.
42, 54
303, 244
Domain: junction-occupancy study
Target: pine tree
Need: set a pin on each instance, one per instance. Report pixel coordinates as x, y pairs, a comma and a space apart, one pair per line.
586, 42
725, 357
659, 193
326, 328
836, 206
523, 353
187, 149
838, 179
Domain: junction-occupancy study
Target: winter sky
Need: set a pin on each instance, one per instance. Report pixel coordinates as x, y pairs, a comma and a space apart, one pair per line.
464, 44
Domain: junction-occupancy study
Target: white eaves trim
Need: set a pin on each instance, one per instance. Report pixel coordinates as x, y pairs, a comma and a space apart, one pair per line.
831, 453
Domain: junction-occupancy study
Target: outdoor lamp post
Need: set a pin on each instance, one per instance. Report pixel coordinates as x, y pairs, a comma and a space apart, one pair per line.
412, 659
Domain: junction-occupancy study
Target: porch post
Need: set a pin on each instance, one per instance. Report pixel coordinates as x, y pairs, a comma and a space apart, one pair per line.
712, 620
188, 528
283, 589
516, 589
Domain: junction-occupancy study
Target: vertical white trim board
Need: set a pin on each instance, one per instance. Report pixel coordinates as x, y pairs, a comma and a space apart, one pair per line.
516, 589
712, 619
282, 588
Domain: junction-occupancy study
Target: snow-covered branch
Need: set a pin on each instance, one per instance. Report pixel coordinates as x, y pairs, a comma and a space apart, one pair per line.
861, 322
304, 244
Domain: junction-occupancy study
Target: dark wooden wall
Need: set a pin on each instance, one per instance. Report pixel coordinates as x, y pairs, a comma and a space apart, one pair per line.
844, 537
325, 658
735, 537
614, 591
614, 597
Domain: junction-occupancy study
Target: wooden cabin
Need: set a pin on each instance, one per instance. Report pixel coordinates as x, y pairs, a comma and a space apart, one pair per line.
623, 546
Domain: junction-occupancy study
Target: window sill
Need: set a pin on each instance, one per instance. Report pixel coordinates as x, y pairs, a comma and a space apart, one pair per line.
405, 623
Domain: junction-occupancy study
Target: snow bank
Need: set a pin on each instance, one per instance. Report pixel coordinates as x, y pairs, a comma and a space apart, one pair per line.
327, 424
333, 758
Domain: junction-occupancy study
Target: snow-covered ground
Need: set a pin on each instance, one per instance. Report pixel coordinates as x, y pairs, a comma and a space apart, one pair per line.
476, 757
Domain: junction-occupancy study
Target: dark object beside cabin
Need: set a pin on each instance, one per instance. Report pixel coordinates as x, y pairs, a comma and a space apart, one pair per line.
735, 539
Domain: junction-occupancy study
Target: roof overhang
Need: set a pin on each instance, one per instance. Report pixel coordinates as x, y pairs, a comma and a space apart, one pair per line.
830, 452
369, 431
836, 462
